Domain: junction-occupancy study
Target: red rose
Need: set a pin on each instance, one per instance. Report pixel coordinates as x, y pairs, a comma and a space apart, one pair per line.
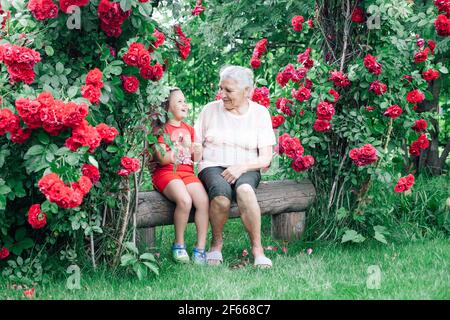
297, 23
423, 141
130, 164
83, 185
322, 125
310, 23
94, 78
255, 63
4, 253
404, 183
415, 96
91, 172
363, 156
107, 133
432, 45
36, 218
75, 114
43, 9
92, 93
377, 87
421, 56
65, 4
123, 172
305, 59
335, 94
301, 94
325, 111
339, 79
430, 75
130, 84
358, 15
442, 25
420, 125
302, 163
261, 96
414, 149
284, 105
277, 121
183, 43
198, 8
393, 111
370, 62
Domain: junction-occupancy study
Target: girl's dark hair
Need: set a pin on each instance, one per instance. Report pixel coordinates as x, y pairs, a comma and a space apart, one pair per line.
158, 121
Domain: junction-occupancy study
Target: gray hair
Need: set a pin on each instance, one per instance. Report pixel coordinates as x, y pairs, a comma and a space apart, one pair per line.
243, 76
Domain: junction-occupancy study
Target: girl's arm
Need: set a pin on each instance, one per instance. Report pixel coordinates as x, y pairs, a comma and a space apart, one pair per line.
168, 157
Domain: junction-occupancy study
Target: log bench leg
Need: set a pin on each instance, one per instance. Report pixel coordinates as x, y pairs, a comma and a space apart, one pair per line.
146, 237
288, 226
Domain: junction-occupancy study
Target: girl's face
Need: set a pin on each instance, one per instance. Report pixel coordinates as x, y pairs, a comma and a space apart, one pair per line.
178, 106
232, 95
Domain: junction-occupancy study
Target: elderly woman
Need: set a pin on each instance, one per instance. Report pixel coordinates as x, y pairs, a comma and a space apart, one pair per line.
237, 138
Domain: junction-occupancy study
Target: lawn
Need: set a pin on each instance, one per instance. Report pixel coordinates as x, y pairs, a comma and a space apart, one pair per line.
414, 270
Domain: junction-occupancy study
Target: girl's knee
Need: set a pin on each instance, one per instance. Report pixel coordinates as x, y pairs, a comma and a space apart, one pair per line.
184, 202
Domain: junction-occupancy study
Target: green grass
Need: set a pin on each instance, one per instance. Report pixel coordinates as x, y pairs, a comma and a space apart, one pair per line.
414, 270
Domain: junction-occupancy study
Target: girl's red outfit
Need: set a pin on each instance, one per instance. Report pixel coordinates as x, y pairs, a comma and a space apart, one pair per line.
182, 138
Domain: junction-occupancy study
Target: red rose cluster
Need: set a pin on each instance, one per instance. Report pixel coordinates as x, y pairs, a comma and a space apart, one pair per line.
430, 75
335, 95
261, 96
36, 218
277, 120
87, 135
442, 25
324, 111
305, 59
130, 84
65, 4
415, 96
420, 144
138, 56
404, 183
302, 94
297, 23
183, 43
420, 125
4, 253
56, 191
284, 105
198, 8
260, 49
93, 88
20, 62
363, 156
43, 9
370, 62
9, 122
393, 111
159, 40
112, 17
91, 172
290, 73
292, 147
339, 79
52, 115
358, 15
378, 88
129, 165
421, 56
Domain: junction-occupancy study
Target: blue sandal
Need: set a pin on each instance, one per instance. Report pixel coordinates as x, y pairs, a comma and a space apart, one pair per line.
179, 253
199, 256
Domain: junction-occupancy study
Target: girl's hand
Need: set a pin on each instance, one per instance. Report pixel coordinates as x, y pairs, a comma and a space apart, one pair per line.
197, 148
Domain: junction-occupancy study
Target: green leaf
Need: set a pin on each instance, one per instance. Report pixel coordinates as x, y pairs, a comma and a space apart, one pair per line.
59, 68
93, 161
443, 69
112, 149
20, 234
380, 237
127, 259
130, 246
34, 151
352, 235
152, 267
4, 189
49, 51
147, 256
125, 5
72, 92
140, 270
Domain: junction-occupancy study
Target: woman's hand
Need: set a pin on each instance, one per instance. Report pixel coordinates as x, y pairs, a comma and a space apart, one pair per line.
197, 150
231, 174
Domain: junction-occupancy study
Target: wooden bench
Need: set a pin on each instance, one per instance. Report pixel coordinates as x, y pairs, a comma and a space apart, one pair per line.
286, 201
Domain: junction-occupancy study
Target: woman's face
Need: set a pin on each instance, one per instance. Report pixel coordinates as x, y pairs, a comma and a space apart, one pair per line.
178, 106
233, 96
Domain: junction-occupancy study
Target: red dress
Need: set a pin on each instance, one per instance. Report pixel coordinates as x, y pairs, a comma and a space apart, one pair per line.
182, 138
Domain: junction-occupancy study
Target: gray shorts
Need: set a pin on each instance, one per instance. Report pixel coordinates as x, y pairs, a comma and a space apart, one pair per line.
216, 185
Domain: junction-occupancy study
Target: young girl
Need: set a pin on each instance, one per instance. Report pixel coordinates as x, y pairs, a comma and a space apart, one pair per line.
174, 177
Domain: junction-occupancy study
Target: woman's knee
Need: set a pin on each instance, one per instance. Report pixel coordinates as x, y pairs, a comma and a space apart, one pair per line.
221, 203
245, 192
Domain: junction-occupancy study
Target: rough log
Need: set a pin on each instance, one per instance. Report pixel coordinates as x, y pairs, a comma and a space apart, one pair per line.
274, 197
